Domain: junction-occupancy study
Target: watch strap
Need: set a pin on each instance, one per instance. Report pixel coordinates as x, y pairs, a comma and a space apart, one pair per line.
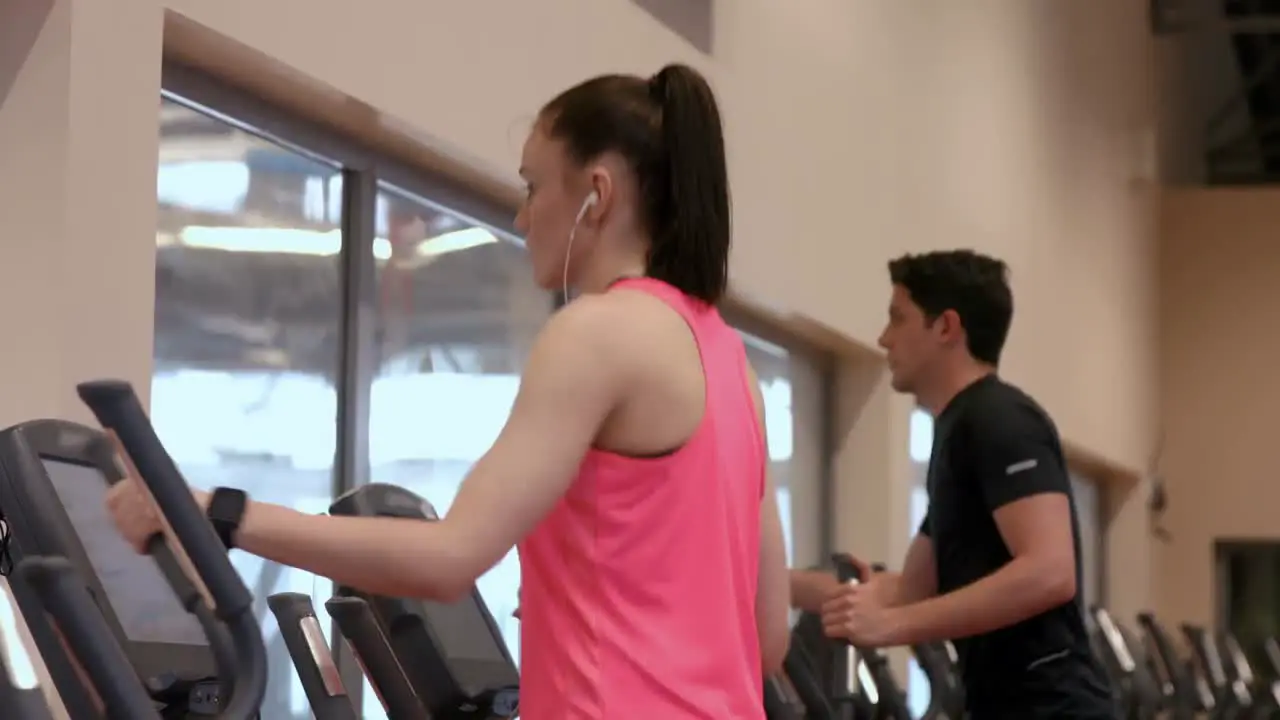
225, 513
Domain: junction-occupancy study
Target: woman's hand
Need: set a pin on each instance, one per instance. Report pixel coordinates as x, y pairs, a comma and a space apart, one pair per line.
134, 512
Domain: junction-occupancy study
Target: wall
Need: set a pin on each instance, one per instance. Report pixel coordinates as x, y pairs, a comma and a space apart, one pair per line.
857, 131
1219, 310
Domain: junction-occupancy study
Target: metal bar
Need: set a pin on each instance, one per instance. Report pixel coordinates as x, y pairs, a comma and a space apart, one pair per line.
1262, 74
357, 365
247, 112
830, 447
1246, 142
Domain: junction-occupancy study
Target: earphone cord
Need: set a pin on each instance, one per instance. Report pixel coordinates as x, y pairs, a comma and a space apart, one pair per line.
568, 252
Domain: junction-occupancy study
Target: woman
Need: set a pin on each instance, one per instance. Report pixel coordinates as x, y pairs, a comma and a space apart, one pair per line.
632, 470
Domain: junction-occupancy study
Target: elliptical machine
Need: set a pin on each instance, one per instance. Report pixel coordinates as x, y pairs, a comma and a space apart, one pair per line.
232, 630
857, 682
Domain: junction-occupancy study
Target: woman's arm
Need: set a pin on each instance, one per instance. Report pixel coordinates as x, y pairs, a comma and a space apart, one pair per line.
570, 385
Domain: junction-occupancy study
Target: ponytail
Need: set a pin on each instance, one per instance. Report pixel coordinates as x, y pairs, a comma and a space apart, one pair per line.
668, 128
693, 225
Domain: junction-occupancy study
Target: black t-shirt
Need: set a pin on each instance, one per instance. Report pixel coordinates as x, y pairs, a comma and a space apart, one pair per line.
993, 445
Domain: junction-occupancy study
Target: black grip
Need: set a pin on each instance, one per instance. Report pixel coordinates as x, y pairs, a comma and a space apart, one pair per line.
356, 622
311, 656
846, 569
67, 600
116, 406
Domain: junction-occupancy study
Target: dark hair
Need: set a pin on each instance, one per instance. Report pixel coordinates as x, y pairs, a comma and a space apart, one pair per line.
976, 286
668, 129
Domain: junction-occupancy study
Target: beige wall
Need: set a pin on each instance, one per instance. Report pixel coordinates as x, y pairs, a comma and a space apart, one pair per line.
857, 131
1220, 262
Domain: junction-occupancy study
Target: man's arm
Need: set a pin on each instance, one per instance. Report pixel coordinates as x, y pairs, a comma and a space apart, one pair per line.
1025, 486
919, 577
569, 387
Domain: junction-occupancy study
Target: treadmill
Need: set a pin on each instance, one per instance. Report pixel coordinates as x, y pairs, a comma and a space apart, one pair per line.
453, 654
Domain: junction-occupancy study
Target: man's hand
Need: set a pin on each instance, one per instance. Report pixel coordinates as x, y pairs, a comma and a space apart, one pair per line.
861, 613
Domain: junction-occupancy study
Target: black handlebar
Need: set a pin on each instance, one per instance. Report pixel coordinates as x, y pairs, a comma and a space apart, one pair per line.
67, 600
356, 622
21, 695
305, 641
118, 410
844, 664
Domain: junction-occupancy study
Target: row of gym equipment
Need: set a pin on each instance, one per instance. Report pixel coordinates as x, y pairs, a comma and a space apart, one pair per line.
123, 636
1152, 674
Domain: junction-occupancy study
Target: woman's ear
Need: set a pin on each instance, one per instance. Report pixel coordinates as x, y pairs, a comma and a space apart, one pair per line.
601, 179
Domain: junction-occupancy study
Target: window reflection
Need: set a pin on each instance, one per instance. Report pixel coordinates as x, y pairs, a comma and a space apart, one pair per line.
246, 336
457, 313
772, 364
920, 444
1088, 501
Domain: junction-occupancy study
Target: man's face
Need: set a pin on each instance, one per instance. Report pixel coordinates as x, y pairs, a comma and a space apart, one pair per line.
913, 344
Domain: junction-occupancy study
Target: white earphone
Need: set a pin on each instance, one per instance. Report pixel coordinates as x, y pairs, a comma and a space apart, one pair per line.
589, 202
592, 199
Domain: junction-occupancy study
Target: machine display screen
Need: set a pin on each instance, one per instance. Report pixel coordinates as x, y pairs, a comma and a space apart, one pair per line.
147, 607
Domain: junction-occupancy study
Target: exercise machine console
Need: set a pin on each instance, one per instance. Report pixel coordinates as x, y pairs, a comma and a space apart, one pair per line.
453, 653
53, 481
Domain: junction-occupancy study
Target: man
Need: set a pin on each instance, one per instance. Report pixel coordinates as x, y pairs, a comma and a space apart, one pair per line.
996, 563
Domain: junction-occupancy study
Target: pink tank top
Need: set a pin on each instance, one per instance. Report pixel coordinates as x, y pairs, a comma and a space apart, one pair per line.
638, 589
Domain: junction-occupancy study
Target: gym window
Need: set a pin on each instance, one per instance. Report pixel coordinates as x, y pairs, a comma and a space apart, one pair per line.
321, 313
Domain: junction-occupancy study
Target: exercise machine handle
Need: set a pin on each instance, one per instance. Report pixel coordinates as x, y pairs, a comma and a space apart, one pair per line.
117, 408
305, 641
844, 665
356, 622
103, 453
67, 600
20, 692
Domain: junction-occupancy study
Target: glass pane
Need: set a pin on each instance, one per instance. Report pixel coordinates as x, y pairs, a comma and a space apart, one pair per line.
1088, 501
920, 440
1253, 598
772, 364
246, 336
457, 313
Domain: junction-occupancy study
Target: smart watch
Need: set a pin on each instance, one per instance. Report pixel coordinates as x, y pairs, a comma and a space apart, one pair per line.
225, 513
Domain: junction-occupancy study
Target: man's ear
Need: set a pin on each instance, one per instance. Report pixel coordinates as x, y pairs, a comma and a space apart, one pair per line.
950, 325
